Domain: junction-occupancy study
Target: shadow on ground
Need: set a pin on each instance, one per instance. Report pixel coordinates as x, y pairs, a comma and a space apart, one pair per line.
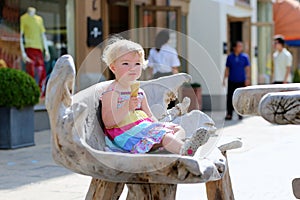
219, 119
34, 164
28, 165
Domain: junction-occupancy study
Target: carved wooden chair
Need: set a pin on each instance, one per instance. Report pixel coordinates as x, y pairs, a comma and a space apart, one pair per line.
278, 104
79, 143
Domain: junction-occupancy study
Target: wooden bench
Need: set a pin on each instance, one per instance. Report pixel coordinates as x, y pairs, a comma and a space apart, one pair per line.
278, 104
79, 143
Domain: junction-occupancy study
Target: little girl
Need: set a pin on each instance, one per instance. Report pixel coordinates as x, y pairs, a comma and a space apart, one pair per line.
128, 120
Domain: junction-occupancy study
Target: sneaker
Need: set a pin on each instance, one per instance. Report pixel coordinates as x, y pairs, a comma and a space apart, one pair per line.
199, 138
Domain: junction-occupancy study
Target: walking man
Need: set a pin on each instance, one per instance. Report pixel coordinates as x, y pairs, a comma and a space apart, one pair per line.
237, 74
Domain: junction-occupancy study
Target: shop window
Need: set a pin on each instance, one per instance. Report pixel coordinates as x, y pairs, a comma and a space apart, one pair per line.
54, 18
9, 34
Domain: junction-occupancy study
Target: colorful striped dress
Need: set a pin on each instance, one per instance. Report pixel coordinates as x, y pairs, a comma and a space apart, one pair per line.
137, 133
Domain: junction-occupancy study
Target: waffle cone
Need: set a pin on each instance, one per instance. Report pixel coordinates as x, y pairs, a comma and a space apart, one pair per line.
135, 89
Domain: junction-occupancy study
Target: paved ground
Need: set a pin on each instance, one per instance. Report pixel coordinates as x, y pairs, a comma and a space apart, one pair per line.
262, 170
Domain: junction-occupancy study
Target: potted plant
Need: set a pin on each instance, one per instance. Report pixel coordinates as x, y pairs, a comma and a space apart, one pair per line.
194, 92
296, 78
18, 94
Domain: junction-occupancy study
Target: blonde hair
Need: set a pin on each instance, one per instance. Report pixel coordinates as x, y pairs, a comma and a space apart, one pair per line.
118, 47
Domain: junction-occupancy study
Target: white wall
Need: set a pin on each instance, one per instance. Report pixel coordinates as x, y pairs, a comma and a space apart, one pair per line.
204, 27
207, 25
70, 18
254, 38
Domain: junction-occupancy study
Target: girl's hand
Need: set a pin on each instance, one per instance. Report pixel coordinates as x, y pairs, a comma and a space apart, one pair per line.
133, 103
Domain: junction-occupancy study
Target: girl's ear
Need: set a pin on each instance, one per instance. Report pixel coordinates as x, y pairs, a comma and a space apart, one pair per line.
112, 67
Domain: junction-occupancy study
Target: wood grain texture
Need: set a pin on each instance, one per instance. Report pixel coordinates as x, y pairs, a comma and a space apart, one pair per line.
79, 145
281, 107
220, 189
104, 190
246, 100
151, 191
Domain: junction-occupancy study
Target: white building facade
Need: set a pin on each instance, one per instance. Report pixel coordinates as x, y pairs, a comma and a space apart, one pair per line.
213, 26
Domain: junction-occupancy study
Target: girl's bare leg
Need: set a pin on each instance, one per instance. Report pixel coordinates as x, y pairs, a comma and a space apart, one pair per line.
171, 143
179, 133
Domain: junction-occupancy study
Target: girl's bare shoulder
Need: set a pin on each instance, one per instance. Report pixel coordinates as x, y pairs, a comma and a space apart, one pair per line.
110, 93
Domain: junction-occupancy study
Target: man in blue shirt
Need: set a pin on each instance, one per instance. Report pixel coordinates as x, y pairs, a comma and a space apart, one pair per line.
238, 74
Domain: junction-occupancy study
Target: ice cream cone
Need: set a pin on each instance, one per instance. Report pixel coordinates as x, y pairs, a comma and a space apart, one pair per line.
135, 89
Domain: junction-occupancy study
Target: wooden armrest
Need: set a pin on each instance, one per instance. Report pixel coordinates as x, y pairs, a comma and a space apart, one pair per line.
246, 100
281, 107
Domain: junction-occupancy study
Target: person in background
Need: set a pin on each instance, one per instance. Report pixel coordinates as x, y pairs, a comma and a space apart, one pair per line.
163, 59
237, 74
282, 60
33, 42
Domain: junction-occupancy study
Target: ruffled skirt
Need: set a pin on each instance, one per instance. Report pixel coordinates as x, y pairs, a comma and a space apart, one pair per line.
139, 136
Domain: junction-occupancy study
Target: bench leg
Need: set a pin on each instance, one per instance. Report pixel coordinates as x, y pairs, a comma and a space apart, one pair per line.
151, 191
221, 189
104, 190
296, 187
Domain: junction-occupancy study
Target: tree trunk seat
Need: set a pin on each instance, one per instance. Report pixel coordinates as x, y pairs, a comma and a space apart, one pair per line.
79, 145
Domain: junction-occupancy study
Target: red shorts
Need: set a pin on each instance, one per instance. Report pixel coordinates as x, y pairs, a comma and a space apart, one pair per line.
36, 68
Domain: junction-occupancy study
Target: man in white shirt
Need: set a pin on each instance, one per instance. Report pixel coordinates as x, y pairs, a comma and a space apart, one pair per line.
283, 60
163, 59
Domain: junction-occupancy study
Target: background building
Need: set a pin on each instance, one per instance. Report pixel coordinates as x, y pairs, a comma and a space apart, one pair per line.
76, 27
215, 25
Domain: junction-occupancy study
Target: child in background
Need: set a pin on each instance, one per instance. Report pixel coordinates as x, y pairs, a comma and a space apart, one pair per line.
127, 118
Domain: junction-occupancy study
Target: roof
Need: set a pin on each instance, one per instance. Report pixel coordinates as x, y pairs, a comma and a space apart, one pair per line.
286, 16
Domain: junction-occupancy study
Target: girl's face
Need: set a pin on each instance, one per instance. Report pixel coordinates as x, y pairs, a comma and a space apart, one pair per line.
127, 67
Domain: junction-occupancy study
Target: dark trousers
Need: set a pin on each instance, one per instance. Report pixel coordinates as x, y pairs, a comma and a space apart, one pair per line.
230, 90
278, 82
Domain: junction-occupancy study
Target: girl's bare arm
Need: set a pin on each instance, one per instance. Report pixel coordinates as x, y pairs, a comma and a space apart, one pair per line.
146, 108
112, 115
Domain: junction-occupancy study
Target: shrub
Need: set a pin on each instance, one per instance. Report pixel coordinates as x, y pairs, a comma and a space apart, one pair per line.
17, 89
296, 78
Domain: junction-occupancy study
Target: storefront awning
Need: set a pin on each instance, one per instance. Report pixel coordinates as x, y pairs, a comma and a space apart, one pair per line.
286, 16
